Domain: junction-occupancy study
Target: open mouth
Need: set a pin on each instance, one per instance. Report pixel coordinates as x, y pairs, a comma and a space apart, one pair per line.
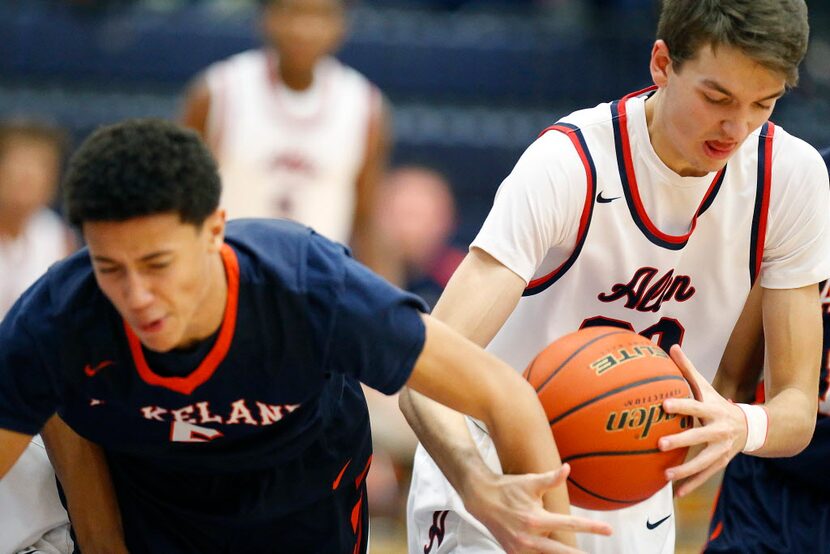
719, 150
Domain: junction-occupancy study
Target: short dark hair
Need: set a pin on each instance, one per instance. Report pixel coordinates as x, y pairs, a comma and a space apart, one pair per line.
772, 32
141, 167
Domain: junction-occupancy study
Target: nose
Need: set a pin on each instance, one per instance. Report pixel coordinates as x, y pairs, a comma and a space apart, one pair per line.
137, 293
737, 126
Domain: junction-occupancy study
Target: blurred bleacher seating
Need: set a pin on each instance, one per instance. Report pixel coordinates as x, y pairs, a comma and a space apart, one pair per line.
471, 88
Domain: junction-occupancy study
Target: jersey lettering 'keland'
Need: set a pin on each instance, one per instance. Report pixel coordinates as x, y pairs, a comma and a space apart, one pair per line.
239, 412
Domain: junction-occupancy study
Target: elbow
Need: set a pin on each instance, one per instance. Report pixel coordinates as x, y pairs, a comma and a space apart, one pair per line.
803, 435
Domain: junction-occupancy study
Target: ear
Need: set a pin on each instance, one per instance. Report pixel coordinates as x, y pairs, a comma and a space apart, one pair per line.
214, 229
660, 64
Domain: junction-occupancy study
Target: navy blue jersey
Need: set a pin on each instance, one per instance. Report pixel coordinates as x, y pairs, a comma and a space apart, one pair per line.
254, 423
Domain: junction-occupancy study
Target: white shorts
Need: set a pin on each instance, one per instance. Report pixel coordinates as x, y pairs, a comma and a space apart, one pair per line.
437, 522
31, 516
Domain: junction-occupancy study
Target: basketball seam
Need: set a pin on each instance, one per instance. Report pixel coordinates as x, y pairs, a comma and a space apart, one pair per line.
574, 353
612, 392
607, 498
611, 453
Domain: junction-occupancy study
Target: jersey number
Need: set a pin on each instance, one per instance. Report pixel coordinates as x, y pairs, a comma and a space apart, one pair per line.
665, 333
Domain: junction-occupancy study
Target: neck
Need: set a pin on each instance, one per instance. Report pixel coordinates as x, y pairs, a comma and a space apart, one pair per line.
211, 314
296, 79
11, 226
657, 136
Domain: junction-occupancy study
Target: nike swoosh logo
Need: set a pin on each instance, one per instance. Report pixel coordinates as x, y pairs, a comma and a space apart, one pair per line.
656, 523
603, 200
92, 371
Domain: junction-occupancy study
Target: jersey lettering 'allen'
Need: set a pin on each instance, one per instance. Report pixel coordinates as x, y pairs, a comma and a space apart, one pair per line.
643, 296
238, 412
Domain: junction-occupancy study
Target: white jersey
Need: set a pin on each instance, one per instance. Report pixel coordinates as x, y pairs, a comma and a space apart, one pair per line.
603, 233
31, 514
287, 154
43, 241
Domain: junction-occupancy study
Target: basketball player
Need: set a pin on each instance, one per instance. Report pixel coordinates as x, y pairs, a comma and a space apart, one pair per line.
219, 372
773, 504
654, 213
32, 238
296, 133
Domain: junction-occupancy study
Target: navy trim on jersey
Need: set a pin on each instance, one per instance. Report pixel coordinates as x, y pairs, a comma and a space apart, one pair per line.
575, 134
710, 198
759, 217
625, 167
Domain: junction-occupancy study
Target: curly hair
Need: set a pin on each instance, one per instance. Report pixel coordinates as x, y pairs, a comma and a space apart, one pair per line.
141, 167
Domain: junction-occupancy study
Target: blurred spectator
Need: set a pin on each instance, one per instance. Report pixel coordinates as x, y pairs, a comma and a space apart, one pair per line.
416, 220
296, 133
31, 238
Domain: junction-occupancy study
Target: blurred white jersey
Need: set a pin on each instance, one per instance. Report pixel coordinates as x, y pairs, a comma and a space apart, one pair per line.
283, 153
24, 259
604, 261
31, 514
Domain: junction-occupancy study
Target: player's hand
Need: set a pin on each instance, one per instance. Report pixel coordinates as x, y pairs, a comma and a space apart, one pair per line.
720, 437
511, 507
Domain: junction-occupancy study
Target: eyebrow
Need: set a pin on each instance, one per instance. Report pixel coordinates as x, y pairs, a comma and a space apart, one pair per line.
714, 85
149, 257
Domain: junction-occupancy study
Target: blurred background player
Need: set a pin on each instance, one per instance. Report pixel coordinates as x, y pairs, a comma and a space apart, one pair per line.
32, 237
415, 220
296, 133
773, 504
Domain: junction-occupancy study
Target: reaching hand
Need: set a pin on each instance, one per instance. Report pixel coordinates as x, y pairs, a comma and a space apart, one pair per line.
511, 507
722, 435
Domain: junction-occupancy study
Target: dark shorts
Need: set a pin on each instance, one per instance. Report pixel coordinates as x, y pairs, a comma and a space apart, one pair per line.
761, 509
337, 524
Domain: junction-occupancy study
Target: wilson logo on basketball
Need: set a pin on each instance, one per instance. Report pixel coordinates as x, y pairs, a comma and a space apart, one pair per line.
624, 355
641, 295
642, 418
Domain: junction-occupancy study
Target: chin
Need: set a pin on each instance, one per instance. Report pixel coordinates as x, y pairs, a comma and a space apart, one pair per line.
159, 344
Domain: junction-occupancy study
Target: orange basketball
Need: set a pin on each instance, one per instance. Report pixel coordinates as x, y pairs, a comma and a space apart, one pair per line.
602, 389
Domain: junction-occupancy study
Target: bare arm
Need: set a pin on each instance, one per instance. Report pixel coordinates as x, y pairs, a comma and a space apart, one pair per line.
792, 327
12, 445
743, 359
477, 301
375, 160
84, 474
196, 106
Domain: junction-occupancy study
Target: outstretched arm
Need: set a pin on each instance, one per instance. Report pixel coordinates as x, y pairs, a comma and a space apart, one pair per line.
454, 372
84, 474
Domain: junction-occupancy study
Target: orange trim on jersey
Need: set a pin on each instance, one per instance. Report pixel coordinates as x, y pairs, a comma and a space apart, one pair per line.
357, 524
716, 533
336, 482
186, 385
634, 188
363, 473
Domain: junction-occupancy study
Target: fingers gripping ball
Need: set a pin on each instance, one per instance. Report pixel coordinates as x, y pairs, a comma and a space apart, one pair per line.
602, 389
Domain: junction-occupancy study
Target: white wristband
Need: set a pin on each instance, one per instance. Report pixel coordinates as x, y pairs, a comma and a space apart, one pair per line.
757, 423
